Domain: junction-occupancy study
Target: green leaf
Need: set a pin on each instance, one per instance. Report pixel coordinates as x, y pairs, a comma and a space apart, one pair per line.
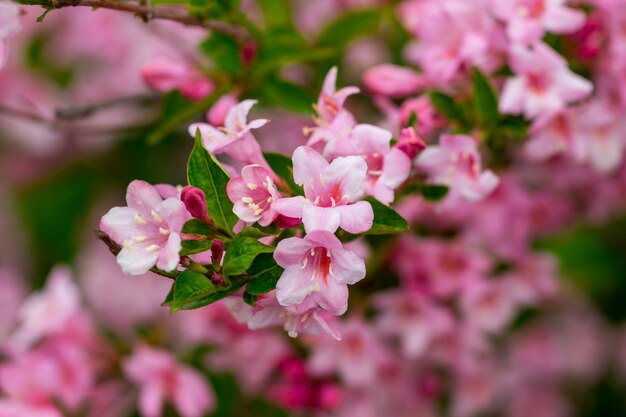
249, 299
241, 253
169, 299
258, 232
349, 26
283, 167
290, 96
447, 106
275, 12
206, 173
198, 227
484, 99
190, 247
189, 291
263, 274
386, 220
433, 192
224, 52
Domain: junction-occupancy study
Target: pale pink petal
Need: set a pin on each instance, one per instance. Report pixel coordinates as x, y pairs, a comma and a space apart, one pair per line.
213, 139
350, 173
169, 255
236, 119
573, 87
121, 225
136, 260
396, 168
334, 297
348, 268
142, 196
151, 399
193, 397
371, 139
357, 217
289, 207
320, 218
561, 19
308, 164
293, 286
291, 251
512, 98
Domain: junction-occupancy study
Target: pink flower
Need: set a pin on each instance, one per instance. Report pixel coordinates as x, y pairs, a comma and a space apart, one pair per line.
148, 229
428, 120
331, 193
164, 74
415, 319
544, 85
253, 194
305, 318
387, 167
452, 36
9, 24
528, 20
318, 267
334, 123
160, 377
11, 408
555, 135
218, 112
489, 305
48, 312
392, 80
456, 163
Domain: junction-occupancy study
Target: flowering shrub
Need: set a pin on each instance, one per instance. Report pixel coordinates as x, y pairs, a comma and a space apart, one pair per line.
380, 252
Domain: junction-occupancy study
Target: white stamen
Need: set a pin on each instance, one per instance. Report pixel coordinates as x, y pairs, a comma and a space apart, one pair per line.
140, 239
156, 216
304, 263
139, 219
127, 244
153, 248
317, 200
164, 231
247, 200
258, 212
317, 288
252, 186
269, 199
333, 202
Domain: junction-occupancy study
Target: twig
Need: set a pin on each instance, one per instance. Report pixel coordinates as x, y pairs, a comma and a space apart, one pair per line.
115, 249
148, 13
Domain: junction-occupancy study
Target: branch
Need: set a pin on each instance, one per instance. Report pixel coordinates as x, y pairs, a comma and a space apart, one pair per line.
115, 249
148, 13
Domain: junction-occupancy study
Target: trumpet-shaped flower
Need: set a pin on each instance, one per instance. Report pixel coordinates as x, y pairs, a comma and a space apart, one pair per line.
148, 229
334, 123
161, 377
317, 269
331, 193
234, 138
456, 163
528, 20
253, 194
544, 85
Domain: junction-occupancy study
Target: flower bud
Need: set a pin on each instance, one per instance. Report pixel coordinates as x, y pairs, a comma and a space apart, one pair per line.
392, 81
410, 143
163, 74
285, 222
217, 113
194, 201
197, 87
217, 251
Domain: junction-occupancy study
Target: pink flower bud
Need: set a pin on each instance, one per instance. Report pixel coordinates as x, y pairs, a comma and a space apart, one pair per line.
410, 143
392, 80
164, 74
217, 279
197, 88
194, 201
248, 53
285, 222
219, 110
329, 396
217, 251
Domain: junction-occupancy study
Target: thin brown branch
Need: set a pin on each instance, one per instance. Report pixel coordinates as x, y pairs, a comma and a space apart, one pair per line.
147, 12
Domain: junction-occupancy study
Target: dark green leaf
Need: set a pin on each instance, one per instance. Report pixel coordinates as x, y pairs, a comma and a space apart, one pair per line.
280, 93
283, 167
241, 253
484, 99
263, 274
191, 247
190, 287
446, 105
258, 232
349, 26
206, 173
249, 298
198, 227
224, 52
386, 220
433, 192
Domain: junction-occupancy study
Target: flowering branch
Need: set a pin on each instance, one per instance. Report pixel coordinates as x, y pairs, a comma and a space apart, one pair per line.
148, 13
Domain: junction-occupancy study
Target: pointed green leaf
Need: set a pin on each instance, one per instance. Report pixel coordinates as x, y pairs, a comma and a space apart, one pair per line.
386, 220
205, 172
241, 253
263, 274
484, 99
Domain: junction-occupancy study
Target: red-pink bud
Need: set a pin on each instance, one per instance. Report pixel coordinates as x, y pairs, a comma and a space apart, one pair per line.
194, 201
410, 143
197, 87
393, 81
248, 53
285, 222
217, 251
329, 396
164, 74
217, 279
